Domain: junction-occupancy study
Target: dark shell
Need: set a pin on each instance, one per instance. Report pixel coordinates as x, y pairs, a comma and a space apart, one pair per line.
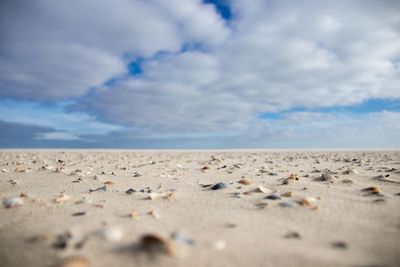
273, 197
218, 186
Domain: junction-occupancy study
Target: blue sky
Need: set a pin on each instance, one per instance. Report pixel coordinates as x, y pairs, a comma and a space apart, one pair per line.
200, 74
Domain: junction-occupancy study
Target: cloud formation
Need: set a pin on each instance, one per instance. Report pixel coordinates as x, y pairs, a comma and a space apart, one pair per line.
202, 74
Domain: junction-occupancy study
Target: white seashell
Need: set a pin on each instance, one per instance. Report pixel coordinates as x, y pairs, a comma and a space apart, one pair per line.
4, 170
220, 245
62, 198
13, 202
111, 234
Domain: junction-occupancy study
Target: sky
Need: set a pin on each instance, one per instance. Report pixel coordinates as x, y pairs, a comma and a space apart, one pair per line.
195, 74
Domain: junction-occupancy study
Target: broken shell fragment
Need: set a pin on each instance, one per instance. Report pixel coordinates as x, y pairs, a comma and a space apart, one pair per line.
74, 261
109, 183
326, 176
292, 177
259, 189
372, 190
134, 214
102, 188
13, 202
62, 198
130, 191
292, 235
165, 195
245, 181
273, 197
218, 186
155, 214
204, 168
287, 194
152, 244
350, 171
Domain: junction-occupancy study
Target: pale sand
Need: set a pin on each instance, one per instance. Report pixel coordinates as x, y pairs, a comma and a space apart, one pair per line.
227, 229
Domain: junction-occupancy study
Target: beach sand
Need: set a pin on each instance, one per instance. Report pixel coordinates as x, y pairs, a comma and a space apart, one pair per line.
323, 208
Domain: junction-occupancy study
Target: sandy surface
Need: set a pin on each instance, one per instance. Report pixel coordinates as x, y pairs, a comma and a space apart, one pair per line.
320, 223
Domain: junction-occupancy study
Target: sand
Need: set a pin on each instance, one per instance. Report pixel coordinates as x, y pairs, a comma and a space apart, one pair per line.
320, 223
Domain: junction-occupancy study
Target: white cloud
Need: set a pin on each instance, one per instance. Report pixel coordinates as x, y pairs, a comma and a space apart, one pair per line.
329, 130
59, 136
278, 56
55, 50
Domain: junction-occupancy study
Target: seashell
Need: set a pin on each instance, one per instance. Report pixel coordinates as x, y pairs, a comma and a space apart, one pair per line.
287, 194
286, 204
74, 261
152, 243
219, 245
307, 201
102, 188
292, 177
181, 239
134, 214
79, 213
111, 234
61, 241
350, 171
261, 205
13, 182
273, 197
347, 181
62, 198
84, 200
372, 190
130, 191
218, 186
326, 176
109, 183
292, 235
137, 174
245, 181
13, 202
204, 168
4, 170
165, 195
259, 189
155, 214
340, 244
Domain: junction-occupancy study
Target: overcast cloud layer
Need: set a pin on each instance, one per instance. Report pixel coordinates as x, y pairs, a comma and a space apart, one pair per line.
177, 71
